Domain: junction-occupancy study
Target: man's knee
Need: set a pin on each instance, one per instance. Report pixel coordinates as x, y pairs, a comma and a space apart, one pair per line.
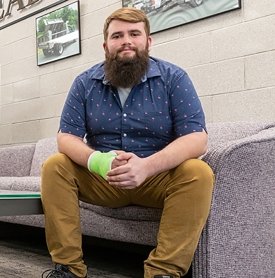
199, 169
53, 162
56, 170
54, 167
195, 179
196, 170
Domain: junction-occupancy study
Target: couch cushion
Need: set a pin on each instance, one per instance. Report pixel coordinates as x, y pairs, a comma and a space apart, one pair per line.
16, 160
43, 149
20, 183
126, 213
219, 133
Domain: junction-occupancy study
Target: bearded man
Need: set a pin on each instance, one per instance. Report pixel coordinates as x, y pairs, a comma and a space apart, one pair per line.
131, 131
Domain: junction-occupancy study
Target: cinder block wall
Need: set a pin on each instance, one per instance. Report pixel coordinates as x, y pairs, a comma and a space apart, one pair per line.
230, 58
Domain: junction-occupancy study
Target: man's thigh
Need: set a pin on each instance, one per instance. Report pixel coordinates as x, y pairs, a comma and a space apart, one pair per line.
96, 190
189, 175
60, 170
151, 193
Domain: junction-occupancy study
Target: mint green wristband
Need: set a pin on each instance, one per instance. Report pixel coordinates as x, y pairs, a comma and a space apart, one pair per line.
101, 163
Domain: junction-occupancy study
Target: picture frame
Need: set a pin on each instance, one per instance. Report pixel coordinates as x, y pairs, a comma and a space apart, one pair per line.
58, 34
166, 14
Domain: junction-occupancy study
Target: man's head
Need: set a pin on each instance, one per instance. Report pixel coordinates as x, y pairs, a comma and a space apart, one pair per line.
126, 42
131, 15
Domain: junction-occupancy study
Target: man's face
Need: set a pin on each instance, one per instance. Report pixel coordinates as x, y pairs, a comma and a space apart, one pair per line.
125, 39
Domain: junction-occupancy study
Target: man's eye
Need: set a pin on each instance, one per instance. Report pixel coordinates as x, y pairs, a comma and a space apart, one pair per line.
116, 36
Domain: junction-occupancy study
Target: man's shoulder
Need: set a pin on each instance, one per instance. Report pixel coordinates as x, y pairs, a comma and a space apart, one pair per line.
165, 66
94, 72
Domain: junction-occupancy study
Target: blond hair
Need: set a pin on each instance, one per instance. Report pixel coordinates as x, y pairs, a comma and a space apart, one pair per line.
129, 15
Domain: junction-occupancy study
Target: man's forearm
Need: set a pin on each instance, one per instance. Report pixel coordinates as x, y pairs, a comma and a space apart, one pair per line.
74, 147
186, 147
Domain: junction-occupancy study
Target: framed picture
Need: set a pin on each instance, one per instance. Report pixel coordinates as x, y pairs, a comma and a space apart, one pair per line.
58, 34
165, 14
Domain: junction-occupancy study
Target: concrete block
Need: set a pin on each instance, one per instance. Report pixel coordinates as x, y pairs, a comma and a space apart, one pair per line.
165, 36
90, 6
21, 111
17, 32
257, 9
244, 39
92, 50
25, 132
55, 82
6, 134
218, 78
6, 95
254, 105
19, 70
51, 106
92, 23
49, 127
215, 22
26, 89
260, 70
185, 52
24, 48
207, 108
6, 55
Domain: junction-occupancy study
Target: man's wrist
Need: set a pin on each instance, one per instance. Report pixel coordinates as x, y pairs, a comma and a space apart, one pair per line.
100, 162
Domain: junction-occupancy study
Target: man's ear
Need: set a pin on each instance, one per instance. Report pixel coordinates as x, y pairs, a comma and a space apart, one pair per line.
149, 42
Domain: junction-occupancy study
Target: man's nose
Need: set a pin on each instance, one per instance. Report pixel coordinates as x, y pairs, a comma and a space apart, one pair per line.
126, 40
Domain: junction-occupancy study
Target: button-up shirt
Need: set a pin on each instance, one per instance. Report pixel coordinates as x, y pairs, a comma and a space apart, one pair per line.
161, 108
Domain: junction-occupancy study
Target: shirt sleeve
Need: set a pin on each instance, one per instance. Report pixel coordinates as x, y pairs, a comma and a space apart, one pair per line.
73, 115
187, 112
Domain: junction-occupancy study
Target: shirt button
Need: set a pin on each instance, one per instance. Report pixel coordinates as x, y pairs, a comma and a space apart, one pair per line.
124, 115
124, 135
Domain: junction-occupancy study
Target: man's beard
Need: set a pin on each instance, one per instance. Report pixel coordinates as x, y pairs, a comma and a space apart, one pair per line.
127, 71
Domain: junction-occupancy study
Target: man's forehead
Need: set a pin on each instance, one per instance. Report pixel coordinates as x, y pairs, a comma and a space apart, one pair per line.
116, 25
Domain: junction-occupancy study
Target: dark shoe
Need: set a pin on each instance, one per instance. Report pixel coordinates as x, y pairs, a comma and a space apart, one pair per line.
164, 276
60, 271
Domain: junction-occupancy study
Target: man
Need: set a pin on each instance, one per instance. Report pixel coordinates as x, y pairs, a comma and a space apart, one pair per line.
144, 129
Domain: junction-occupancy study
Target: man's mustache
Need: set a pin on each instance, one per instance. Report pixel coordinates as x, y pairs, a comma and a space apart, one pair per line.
126, 48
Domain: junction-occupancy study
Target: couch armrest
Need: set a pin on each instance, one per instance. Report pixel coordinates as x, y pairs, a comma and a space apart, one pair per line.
238, 239
16, 160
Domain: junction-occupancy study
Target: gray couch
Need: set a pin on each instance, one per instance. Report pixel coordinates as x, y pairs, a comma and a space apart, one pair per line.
238, 239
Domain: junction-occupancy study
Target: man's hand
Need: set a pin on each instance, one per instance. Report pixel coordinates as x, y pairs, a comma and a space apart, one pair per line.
118, 161
136, 170
130, 171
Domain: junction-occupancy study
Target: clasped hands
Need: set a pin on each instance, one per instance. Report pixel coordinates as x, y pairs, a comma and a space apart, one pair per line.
128, 170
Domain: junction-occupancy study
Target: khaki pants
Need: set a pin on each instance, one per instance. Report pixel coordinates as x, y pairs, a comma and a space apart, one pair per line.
184, 193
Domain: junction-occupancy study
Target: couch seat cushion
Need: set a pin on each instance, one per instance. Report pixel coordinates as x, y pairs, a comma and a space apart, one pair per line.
127, 213
20, 183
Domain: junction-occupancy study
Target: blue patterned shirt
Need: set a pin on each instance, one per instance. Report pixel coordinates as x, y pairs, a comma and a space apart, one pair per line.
161, 108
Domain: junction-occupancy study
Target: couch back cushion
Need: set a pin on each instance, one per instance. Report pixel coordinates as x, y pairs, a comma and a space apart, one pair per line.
16, 161
43, 149
220, 133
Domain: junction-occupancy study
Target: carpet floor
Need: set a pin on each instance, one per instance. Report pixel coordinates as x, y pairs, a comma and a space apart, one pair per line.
23, 254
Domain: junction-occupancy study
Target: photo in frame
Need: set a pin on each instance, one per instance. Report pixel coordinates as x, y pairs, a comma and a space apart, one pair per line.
166, 14
58, 34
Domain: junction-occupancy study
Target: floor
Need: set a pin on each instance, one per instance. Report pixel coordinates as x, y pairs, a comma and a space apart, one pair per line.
23, 253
